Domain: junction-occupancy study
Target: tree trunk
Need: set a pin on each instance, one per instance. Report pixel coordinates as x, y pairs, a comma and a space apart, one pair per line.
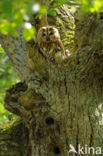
59, 104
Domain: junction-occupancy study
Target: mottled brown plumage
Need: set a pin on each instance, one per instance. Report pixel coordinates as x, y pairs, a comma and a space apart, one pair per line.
49, 41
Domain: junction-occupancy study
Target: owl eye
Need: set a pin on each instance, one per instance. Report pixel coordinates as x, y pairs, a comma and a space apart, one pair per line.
43, 34
51, 33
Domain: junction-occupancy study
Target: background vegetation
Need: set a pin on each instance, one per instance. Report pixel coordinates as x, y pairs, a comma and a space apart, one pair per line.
7, 78
15, 14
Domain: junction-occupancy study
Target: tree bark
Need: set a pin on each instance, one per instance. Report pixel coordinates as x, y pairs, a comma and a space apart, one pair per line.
58, 104
16, 51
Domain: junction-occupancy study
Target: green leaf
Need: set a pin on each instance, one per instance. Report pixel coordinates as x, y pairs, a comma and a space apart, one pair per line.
7, 8
52, 12
4, 26
7, 27
58, 3
29, 8
1, 50
92, 5
28, 34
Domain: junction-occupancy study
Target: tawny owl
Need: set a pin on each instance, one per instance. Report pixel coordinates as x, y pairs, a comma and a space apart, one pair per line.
49, 41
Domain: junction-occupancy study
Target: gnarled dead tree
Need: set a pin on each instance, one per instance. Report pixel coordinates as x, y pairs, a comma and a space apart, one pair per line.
57, 105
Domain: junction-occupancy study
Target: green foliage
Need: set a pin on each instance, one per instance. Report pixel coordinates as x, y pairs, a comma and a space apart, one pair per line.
7, 78
85, 5
28, 33
92, 5
56, 4
14, 14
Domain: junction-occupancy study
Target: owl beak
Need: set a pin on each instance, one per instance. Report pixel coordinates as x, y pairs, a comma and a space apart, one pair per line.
48, 38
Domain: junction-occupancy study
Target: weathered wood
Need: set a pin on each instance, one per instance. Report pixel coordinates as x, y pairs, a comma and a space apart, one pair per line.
16, 51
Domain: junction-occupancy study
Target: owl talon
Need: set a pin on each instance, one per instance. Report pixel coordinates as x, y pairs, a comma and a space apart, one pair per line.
67, 52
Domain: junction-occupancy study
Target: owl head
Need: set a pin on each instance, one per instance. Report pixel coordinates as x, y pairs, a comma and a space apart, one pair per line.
47, 34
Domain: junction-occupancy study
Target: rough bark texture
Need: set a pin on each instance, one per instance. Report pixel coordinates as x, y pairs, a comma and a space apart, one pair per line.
16, 51
59, 103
